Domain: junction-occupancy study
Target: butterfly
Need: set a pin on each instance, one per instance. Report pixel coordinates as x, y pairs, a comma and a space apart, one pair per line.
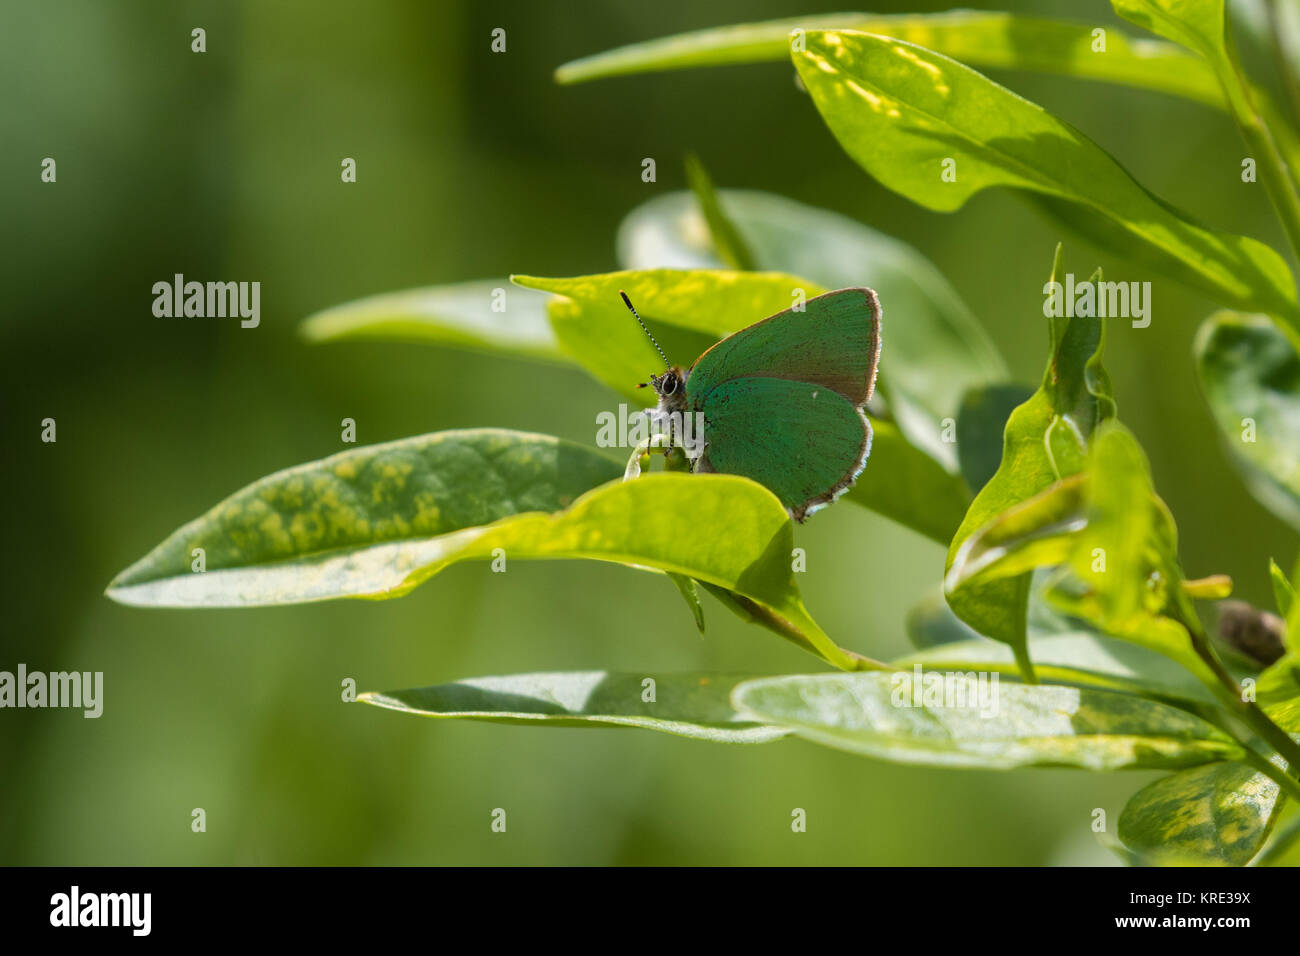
781, 402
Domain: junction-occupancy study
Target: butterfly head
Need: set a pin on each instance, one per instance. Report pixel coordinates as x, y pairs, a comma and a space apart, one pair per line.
671, 385
671, 389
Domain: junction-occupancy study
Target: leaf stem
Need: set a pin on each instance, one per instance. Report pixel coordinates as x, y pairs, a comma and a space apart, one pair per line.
1229, 692
1288, 75
1278, 178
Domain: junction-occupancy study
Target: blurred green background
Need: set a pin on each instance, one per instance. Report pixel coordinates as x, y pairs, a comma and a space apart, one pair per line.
471, 165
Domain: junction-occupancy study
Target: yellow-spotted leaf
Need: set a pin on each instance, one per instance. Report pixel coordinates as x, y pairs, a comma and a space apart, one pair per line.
375, 522
351, 524
960, 720
1216, 815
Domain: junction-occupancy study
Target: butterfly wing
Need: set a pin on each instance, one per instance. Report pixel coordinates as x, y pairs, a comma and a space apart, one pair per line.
806, 443
833, 342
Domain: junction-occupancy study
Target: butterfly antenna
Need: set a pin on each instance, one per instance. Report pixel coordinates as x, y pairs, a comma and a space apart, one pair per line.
653, 341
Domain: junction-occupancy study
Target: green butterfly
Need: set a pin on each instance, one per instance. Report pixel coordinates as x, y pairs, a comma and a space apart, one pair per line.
781, 401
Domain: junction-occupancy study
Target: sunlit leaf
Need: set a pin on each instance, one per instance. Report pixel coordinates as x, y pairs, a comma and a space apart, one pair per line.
935, 349
1202, 27
688, 705
1283, 592
903, 112
900, 482
980, 38
1035, 533
376, 522
594, 327
352, 524
887, 716
1197, 25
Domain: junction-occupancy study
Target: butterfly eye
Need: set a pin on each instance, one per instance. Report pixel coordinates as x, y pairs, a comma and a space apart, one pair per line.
669, 384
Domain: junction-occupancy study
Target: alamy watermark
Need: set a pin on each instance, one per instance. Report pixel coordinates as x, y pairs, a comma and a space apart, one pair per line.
630, 427
75, 689
208, 300
75, 908
950, 690
1088, 299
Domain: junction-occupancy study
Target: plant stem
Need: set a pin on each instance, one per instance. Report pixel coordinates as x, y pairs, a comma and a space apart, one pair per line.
1285, 72
1277, 176
1229, 692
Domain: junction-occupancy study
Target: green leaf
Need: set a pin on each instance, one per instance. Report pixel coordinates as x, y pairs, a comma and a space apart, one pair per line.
345, 525
983, 39
1216, 815
1075, 657
688, 705
932, 622
1250, 375
1129, 535
1283, 592
899, 482
1022, 725
376, 522
461, 315
981, 422
727, 240
901, 111
1123, 576
593, 325
1035, 533
1280, 681
1202, 27
937, 350
1044, 441
1195, 24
